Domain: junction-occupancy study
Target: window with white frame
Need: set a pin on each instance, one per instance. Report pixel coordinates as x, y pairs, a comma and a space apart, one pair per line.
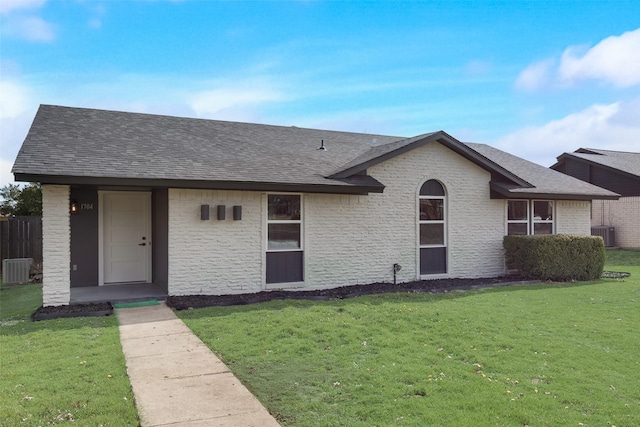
284, 238
530, 217
433, 230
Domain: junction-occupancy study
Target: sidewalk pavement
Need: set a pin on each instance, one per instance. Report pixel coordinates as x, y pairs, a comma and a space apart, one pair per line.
177, 380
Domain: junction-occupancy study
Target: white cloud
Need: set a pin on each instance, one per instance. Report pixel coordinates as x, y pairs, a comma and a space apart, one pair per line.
11, 5
14, 99
610, 127
19, 21
615, 60
16, 113
535, 75
12, 134
6, 177
231, 98
30, 28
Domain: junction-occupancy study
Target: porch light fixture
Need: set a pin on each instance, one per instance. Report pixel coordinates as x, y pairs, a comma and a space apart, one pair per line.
237, 213
204, 212
222, 210
73, 208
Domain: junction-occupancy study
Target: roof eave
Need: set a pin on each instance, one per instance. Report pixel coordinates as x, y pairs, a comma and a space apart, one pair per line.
359, 187
565, 156
499, 191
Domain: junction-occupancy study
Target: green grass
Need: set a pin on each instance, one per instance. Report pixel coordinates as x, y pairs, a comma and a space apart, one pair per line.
621, 257
60, 371
535, 355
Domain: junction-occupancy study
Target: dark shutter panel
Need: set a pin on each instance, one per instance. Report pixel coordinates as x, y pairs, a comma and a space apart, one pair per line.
433, 260
284, 267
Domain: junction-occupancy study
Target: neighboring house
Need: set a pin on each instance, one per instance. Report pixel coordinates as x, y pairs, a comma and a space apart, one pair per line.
617, 171
212, 207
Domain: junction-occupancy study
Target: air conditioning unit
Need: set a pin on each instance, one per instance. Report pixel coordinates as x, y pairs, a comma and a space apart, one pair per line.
608, 234
16, 270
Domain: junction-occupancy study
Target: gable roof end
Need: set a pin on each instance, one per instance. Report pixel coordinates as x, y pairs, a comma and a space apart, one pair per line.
379, 154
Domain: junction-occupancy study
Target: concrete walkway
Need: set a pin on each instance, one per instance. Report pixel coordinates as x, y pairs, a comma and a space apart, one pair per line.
177, 380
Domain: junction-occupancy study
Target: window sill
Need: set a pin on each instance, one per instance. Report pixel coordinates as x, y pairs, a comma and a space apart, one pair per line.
284, 286
434, 276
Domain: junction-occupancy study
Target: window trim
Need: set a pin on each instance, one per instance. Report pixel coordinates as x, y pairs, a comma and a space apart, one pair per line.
284, 221
531, 221
535, 221
265, 235
444, 221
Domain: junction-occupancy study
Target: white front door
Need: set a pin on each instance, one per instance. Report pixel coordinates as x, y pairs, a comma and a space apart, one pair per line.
126, 237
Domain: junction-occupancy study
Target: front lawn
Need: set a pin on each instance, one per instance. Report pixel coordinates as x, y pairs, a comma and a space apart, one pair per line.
535, 355
60, 371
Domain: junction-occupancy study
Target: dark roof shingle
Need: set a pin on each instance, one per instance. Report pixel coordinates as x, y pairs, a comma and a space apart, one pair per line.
624, 161
545, 182
100, 145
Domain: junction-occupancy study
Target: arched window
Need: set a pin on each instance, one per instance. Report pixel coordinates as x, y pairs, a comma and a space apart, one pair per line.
433, 228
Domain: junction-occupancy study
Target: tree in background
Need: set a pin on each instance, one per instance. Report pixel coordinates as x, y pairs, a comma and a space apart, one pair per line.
21, 201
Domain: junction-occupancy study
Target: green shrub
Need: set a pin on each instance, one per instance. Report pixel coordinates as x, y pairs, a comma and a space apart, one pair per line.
558, 257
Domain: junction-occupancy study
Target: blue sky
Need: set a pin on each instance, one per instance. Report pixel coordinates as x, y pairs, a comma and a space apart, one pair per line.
532, 78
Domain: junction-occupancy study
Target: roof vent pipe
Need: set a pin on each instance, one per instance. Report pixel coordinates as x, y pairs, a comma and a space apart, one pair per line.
322, 147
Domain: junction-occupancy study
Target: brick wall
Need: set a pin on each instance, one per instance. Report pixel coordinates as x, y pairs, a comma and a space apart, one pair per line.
56, 245
573, 217
215, 257
348, 239
624, 215
357, 239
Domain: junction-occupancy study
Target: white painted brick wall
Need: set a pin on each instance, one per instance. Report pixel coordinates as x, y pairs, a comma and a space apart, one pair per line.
624, 215
56, 245
357, 239
349, 239
214, 257
573, 217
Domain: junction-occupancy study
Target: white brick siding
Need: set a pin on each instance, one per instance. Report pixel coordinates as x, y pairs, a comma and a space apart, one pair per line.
56, 245
214, 257
624, 215
573, 217
357, 239
348, 239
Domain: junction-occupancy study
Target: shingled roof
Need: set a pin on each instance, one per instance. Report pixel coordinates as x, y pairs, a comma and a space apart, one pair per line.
111, 147
621, 161
546, 183
106, 148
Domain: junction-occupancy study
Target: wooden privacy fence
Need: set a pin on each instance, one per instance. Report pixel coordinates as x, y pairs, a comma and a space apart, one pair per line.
21, 237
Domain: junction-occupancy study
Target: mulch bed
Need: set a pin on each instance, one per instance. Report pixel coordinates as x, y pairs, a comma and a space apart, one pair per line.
198, 301
72, 310
432, 286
